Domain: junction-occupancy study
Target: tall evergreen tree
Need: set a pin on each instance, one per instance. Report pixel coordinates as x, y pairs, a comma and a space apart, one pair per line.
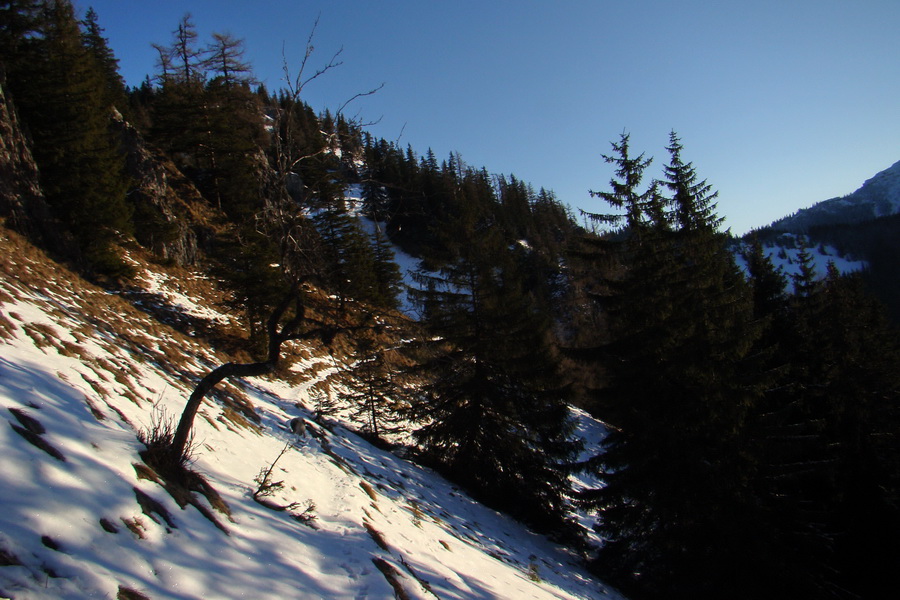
68, 115
379, 398
107, 63
18, 23
676, 508
493, 410
387, 277
829, 431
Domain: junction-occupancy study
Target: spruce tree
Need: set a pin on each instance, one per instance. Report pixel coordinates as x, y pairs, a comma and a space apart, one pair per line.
388, 280
676, 508
107, 63
378, 397
829, 439
493, 409
69, 117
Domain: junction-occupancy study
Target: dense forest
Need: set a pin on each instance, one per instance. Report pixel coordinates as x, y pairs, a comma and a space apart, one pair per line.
754, 421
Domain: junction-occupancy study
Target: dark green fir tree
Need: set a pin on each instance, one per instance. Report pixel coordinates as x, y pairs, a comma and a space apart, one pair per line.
68, 112
493, 409
676, 508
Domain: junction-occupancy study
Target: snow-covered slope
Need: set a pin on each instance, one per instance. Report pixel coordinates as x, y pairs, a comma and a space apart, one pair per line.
81, 371
878, 197
784, 252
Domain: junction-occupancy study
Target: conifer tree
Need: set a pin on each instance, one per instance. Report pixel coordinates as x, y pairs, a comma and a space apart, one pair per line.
18, 22
493, 410
68, 114
676, 507
376, 394
829, 440
224, 57
107, 63
387, 277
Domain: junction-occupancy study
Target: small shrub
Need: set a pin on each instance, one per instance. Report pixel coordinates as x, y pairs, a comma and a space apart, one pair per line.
417, 513
160, 454
307, 516
173, 467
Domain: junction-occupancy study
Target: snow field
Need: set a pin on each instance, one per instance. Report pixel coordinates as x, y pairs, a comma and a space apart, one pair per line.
78, 530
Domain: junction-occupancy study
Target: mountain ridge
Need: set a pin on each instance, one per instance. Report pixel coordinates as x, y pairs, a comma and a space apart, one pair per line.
879, 196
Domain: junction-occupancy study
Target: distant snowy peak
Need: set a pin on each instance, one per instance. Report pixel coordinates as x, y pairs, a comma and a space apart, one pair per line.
878, 197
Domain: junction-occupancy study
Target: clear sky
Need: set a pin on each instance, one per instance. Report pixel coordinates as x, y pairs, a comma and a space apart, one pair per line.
779, 103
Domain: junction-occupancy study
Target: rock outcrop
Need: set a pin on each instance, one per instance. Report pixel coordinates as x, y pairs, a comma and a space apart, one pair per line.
22, 202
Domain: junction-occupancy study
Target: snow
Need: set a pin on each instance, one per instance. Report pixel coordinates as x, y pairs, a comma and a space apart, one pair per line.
99, 373
407, 263
878, 197
786, 258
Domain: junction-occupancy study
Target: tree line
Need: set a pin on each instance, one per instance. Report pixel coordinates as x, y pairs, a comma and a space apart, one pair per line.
753, 449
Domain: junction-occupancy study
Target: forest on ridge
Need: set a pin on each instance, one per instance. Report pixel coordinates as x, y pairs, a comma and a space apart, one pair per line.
754, 421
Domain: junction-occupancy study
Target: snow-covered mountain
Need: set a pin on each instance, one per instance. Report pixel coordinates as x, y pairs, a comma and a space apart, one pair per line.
858, 232
878, 197
82, 371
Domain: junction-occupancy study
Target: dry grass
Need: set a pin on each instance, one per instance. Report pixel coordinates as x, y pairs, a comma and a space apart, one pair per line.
41, 334
7, 328
369, 490
136, 526
393, 577
376, 536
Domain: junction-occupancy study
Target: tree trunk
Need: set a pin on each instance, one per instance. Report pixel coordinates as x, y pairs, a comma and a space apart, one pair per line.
206, 385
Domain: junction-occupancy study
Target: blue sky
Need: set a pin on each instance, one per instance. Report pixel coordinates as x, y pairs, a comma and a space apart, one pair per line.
779, 104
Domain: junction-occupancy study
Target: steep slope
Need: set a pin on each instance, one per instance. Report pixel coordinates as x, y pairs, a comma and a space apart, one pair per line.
83, 371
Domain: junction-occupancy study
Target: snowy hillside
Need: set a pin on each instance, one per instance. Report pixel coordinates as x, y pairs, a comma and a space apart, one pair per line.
784, 253
878, 197
83, 371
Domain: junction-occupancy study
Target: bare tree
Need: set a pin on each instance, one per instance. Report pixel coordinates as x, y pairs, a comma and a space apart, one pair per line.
225, 57
282, 220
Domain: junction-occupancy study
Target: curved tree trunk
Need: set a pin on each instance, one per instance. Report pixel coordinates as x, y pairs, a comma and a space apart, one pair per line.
206, 385
276, 338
